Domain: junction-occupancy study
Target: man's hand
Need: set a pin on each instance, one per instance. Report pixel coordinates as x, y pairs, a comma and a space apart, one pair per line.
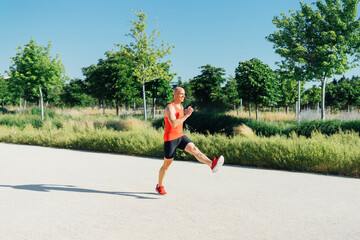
189, 111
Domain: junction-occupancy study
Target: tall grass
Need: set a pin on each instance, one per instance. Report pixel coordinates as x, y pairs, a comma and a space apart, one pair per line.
305, 115
147, 142
265, 116
20, 121
336, 154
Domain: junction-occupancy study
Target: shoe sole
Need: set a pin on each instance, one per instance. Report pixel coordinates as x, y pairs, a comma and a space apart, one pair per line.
219, 164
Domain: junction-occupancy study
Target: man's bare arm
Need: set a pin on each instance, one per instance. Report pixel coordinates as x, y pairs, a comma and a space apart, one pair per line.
170, 114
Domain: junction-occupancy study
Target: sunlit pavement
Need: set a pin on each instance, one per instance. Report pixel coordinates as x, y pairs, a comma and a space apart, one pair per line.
48, 193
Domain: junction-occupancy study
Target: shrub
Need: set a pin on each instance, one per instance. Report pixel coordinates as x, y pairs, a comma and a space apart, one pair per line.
47, 113
36, 122
351, 126
264, 128
329, 127
336, 154
158, 123
21, 120
207, 122
210, 122
124, 124
57, 123
3, 110
244, 130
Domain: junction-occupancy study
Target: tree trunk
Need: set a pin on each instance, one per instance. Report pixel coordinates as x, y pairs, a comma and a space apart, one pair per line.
154, 108
117, 109
103, 106
241, 106
24, 103
41, 105
257, 112
317, 108
323, 84
299, 95
20, 104
127, 105
287, 109
249, 110
144, 100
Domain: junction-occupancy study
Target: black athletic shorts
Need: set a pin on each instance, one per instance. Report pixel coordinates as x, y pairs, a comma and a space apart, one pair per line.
170, 146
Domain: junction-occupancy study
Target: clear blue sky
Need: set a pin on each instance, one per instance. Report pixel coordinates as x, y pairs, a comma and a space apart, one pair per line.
219, 33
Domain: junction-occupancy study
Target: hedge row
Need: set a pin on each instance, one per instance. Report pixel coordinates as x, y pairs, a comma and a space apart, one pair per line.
336, 154
220, 123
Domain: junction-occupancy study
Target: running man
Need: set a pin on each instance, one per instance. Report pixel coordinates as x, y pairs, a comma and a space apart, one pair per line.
174, 138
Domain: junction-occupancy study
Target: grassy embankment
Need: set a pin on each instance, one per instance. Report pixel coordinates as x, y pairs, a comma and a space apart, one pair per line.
337, 154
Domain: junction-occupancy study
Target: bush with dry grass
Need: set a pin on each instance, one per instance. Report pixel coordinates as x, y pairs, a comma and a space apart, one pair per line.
336, 154
244, 130
128, 124
265, 116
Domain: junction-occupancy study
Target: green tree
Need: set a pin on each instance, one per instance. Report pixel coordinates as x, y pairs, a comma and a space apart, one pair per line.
206, 87
231, 94
288, 86
126, 88
313, 95
257, 83
343, 92
34, 68
355, 83
97, 81
146, 55
331, 95
161, 92
320, 40
112, 79
74, 94
5, 96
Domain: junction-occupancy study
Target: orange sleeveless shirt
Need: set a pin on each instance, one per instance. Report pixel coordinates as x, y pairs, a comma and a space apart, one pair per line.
172, 133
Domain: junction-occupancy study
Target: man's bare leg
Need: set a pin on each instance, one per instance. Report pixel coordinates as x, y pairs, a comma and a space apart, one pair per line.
163, 170
191, 148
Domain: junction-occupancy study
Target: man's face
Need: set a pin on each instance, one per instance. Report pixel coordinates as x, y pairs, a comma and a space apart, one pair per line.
179, 95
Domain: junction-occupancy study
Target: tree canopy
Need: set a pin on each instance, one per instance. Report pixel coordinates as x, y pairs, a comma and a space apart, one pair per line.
4, 91
75, 94
33, 68
146, 55
206, 87
257, 83
324, 42
112, 79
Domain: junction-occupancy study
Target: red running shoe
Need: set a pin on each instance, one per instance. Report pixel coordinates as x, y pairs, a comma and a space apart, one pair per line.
160, 189
218, 162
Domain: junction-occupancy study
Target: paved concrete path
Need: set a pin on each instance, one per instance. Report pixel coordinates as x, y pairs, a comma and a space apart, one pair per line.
50, 194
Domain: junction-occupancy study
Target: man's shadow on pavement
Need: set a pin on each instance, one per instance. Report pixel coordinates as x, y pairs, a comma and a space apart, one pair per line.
69, 188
